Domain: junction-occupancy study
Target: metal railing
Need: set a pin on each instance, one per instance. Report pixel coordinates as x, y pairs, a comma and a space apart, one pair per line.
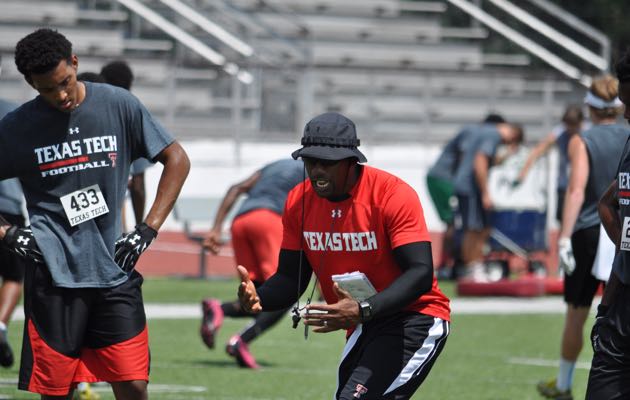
601, 62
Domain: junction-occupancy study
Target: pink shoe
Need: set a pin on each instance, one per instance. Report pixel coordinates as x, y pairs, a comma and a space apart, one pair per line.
211, 322
238, 349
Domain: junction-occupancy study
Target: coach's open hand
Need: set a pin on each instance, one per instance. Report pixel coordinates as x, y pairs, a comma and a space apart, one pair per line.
344, 314
247, 295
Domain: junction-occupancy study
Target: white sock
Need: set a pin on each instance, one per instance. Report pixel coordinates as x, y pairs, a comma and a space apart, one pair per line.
3, 326
564, 381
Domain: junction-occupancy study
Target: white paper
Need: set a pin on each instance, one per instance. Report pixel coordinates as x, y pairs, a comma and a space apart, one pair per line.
604, 257
356, 283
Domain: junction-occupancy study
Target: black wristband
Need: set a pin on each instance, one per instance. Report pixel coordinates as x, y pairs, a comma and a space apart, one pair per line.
365, 311
143, 227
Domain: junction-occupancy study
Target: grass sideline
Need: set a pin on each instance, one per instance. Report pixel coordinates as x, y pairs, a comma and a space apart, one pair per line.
483, 358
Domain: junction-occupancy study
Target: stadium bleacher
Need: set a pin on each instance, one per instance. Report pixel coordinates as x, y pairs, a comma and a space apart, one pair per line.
392, 64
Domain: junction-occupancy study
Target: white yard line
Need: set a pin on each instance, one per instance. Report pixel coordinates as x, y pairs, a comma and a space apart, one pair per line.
542, 362
459, 306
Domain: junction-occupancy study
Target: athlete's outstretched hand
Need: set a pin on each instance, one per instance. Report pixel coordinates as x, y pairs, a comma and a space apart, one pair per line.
247, 295
344, 314
21, 241
131, 245
212, 241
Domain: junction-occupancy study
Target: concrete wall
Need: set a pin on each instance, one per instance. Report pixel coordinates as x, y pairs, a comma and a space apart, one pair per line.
214, 169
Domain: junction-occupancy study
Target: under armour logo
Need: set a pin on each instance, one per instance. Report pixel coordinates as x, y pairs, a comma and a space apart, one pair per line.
74, 130
134, 239
595, 341
336, 213
23, 240
359, 391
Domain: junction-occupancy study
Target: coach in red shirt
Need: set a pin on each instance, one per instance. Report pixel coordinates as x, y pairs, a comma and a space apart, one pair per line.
351, 217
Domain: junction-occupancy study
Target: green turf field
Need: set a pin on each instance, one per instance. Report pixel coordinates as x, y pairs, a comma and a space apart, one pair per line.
486, 357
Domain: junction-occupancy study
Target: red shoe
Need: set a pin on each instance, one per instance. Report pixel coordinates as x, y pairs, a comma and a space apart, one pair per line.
211, 322
238, 349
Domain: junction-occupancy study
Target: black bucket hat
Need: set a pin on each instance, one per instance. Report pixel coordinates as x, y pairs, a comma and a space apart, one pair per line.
330, 136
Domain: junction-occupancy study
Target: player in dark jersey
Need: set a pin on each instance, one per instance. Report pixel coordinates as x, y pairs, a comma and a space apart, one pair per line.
350, 217
593, 156
256, 238
71, 148
610, 336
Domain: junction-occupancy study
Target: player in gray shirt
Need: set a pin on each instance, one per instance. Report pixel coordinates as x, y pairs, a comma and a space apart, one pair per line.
477, 153
11, 265
71, 148
256, 239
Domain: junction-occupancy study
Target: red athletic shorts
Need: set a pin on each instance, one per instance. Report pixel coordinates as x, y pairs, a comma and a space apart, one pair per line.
256, 239
81, 335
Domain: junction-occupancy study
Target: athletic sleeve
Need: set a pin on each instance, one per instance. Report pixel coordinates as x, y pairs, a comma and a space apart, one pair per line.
289, 282
404, 216
416, 261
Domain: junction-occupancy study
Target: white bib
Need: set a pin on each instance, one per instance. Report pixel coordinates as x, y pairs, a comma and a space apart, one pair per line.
625, 235
84, 204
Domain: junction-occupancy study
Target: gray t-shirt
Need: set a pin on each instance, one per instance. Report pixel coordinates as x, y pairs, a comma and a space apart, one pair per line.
605, 144
271, 190
139, 166
55, 154
446, 164
482, 138
10, 190
11, 197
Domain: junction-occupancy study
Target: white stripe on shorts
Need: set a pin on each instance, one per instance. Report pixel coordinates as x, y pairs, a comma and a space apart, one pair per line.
352, 340
420, 357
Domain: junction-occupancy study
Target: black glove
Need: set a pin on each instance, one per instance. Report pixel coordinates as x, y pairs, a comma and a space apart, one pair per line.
131, 245
22, 242
600, 319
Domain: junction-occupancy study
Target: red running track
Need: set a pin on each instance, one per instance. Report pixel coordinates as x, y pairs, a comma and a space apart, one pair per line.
172, 254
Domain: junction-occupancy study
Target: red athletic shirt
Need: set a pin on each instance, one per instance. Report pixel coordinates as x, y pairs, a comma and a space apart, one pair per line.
359, 233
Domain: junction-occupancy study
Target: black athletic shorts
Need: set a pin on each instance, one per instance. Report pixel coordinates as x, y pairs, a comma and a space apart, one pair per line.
11, 264
609, 378
388, 358
81, 334
580, 287
473, 216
